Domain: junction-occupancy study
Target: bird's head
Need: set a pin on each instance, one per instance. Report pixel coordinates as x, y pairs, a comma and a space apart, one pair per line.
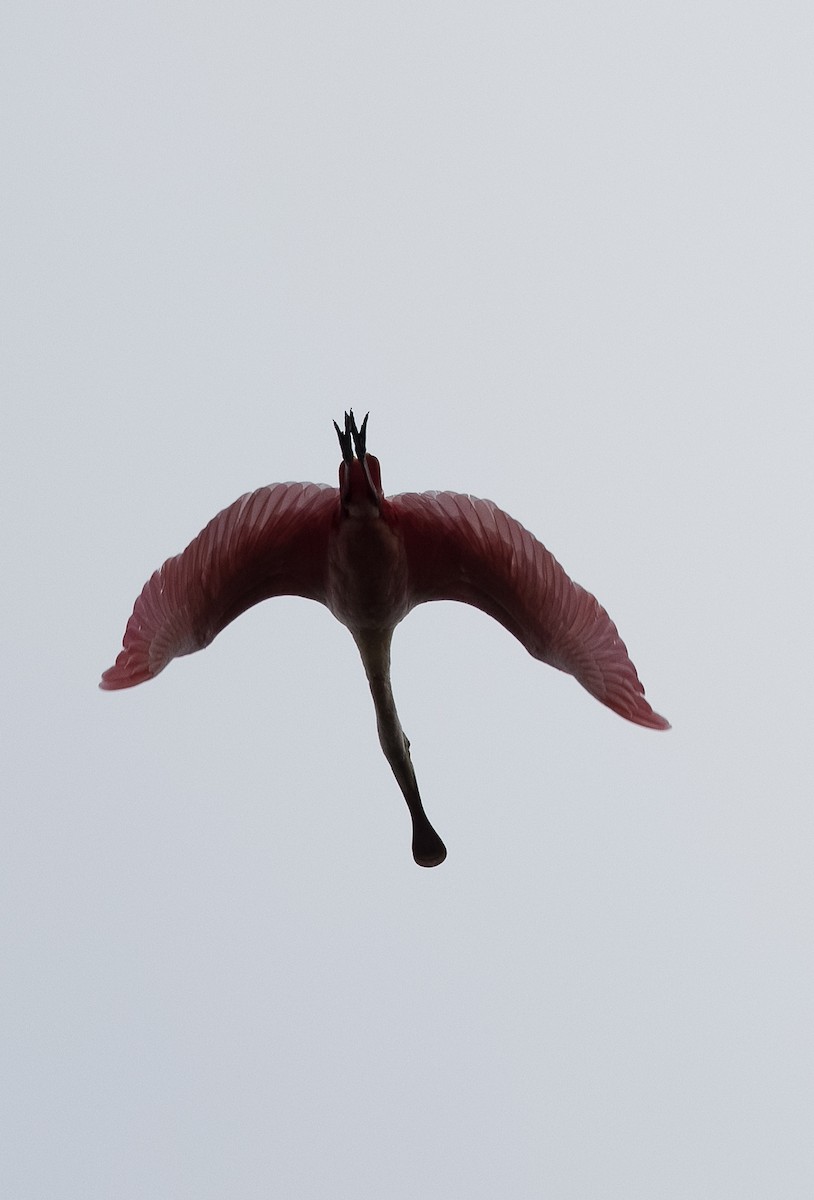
360, 476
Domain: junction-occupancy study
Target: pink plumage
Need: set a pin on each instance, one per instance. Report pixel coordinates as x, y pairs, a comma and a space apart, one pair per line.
370, 559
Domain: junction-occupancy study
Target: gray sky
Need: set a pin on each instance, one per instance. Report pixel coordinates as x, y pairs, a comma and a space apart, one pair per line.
562, 254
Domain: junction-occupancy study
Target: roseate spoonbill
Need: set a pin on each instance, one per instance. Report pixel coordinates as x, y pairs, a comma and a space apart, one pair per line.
370, 559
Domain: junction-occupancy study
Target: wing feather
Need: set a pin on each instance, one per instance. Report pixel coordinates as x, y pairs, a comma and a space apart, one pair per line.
272, 542
462, 548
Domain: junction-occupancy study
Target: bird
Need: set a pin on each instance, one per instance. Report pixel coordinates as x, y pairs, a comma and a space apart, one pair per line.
370, 559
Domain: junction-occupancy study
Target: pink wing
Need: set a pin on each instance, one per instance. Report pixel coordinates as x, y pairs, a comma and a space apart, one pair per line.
462, 548
272, 542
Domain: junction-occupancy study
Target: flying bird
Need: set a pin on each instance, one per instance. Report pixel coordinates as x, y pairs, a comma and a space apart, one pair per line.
371, 559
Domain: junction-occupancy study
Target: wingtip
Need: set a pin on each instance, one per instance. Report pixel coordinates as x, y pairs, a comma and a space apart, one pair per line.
108, 681
122, 676
644, 715
113, 684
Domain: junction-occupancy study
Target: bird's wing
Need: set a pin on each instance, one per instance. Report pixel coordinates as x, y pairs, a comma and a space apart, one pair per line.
272, 542
462, 548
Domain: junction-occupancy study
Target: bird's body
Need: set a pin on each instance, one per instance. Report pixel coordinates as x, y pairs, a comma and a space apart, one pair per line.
370, 560
367, 584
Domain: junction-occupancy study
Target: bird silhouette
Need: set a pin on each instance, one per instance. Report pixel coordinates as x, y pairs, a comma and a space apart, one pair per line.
371, 559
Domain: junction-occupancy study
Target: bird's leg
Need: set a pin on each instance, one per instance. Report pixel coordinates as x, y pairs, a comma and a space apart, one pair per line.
374, 647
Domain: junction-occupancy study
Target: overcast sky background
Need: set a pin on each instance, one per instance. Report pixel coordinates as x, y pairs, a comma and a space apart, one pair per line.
563, 255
